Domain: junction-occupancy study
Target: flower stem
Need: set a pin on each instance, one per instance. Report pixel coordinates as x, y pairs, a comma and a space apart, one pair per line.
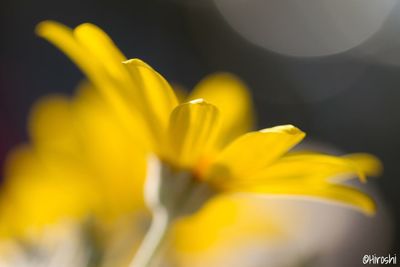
153, 240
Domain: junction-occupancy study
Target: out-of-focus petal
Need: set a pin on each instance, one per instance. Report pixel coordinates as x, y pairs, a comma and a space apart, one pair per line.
233, 100
97, 56
115, 157
318, 190
224, 222
101, 47
63, 38
51, 125
368, 163
42, 191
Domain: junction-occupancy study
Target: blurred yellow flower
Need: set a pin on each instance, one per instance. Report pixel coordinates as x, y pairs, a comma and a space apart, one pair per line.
95, 148
78, 164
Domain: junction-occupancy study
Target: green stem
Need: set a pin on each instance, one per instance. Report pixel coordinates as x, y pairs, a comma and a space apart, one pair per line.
152, 242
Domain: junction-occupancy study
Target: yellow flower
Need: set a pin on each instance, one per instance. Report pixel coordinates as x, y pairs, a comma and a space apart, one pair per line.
88, 154
198, 137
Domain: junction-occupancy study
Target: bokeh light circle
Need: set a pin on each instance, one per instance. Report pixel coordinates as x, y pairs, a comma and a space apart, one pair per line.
306, 28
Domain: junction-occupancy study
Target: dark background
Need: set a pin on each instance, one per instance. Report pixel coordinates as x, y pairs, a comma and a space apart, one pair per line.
348, 102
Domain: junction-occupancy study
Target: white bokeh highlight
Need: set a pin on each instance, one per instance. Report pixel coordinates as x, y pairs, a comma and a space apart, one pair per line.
306, 28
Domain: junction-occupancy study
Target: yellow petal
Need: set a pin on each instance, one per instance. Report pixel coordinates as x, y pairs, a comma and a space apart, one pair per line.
320, 191
253, 152
191, 132
156, 95
233, 100
314, 166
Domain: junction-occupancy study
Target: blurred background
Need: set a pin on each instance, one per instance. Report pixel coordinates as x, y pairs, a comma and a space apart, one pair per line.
331, 68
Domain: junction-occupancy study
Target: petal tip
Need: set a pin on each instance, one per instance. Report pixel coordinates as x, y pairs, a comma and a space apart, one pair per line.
367, 164
43, 26
370, 211
85, 26
131, 61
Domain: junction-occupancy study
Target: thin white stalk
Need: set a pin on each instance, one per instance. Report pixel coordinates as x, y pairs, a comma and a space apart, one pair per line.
168, 195
153, 240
